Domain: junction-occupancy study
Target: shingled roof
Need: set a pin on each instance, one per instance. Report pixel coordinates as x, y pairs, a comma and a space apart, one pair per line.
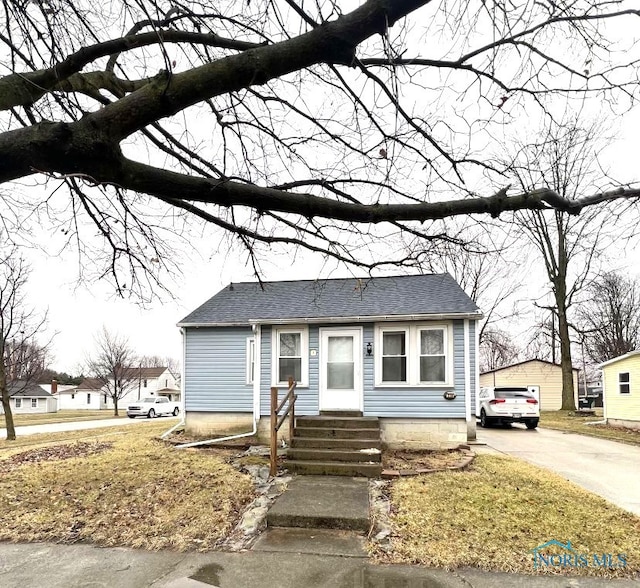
27, 390
353, 298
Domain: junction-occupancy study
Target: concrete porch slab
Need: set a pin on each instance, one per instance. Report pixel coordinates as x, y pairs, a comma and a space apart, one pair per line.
322, 502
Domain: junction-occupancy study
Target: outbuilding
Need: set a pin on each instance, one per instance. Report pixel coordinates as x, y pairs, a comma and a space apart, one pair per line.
621, 390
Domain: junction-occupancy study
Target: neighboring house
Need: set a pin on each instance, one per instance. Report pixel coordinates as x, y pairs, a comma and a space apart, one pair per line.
29, 399
389, 347
544, 375
88, 395
143, 382
92, 394
621, 390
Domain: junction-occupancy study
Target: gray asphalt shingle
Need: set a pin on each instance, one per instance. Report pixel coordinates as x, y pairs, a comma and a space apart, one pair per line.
352, 297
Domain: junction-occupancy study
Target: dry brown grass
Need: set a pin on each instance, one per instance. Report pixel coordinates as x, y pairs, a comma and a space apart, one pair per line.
138, 492
411, 460
493, 514
62, 416
562, 420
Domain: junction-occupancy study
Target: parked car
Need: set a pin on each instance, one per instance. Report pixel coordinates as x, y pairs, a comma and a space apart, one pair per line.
152, 407
508, 405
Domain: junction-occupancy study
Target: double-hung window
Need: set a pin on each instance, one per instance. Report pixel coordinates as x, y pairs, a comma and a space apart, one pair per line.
413, 354
433, 358
34, 403
18, 402
624, 383
291, 355
394, 356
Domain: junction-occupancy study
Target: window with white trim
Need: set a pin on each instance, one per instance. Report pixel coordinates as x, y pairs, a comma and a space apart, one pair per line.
394, 356
624, 383
291, 355
413, 354
251, 360
18, 402
433, 357
34, 403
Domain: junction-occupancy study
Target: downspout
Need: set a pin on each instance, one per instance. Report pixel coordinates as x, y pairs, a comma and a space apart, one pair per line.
470, 423
183, 420
256, 405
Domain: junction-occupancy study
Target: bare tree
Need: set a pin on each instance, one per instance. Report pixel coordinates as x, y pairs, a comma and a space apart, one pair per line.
22, 359
113, 364
497, 350
543, 340
610, 317
488, 277
565, 159
171, 363
286, 122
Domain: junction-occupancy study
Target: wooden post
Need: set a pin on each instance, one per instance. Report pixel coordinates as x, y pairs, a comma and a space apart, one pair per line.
273, 468
292, 409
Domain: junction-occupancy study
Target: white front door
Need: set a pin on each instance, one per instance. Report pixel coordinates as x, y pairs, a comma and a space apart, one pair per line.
341, 369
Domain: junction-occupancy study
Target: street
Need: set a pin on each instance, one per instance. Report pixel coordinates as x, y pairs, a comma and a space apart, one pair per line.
80, 425
606, 468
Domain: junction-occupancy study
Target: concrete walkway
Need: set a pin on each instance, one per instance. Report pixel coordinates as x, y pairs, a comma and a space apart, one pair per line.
39, 565
323, 515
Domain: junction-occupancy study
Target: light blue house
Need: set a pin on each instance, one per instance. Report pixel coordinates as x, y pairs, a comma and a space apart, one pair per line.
399, 348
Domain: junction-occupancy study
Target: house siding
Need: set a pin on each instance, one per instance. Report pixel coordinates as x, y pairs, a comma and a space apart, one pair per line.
79, 400
215, 375
215, 370
533, 373
473, 325
307, 401
414, 401
622, 407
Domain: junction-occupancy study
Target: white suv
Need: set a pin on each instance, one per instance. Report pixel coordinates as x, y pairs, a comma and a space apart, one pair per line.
507, 404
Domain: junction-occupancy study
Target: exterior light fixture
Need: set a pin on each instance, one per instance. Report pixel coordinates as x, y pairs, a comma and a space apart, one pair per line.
369, 348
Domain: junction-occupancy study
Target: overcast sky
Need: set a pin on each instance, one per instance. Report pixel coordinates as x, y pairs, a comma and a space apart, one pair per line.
76, 314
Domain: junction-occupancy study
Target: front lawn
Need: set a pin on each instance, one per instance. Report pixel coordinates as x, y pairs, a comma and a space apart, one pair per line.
62, 416
492, 515
564, 420
118, 487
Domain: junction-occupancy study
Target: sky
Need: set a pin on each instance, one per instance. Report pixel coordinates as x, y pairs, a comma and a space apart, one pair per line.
77, 313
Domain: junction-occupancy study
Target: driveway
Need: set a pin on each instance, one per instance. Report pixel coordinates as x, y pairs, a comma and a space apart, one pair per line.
80, 425
606, 468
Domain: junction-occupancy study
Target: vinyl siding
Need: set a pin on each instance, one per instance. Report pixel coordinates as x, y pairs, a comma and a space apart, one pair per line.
215, 378
533, 373
214, 371
414, 401
622, 406
473, 325
307, 401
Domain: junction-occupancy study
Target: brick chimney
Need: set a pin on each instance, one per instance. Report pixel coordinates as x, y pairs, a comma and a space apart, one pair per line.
54, 386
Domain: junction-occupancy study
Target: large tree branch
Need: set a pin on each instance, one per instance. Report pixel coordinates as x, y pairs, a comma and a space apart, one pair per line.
332, 42
23, 89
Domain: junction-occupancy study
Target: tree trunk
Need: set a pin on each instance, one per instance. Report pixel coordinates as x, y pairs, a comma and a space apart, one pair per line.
8, 415
568, 396
115, 406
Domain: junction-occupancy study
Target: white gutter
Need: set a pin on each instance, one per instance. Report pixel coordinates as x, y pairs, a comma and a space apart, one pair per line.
341, 319
467, 376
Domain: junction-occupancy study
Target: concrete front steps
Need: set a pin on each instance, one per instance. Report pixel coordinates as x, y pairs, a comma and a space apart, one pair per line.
336, 444
319, 515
